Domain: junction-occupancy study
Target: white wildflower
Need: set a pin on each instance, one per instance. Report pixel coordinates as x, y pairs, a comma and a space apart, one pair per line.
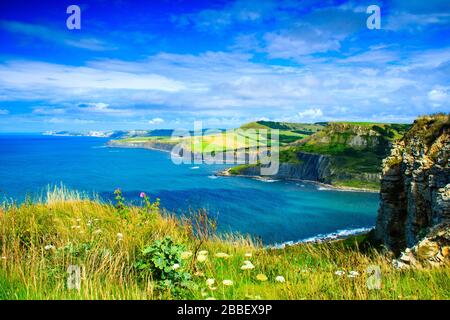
280, 279
202, 258
227, 283
186, 255
222, 255
353, 274
210, 282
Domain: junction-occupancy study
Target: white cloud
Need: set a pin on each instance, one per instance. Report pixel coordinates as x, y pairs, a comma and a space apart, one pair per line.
47, 75
438, 95
219, 84
4, 112
311, 114
156, 121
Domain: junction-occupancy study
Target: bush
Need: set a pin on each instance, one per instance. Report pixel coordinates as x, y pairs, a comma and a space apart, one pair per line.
162, 260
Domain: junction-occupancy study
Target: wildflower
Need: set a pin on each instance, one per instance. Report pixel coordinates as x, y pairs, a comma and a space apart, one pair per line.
89, 223
76, 227
186, 255
119, 237
222, 255
98, 231
202, 258
203, 253
211, 298
261, 277
248, 266
142, 195
227, 283
3, 257
353, 274
199, 274
175, 266
339, 273
210, 282
248, 255
280, 279
49, 247
78, 220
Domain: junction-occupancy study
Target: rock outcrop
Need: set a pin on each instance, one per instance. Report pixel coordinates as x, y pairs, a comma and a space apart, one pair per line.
312, 167
432, 251
415, 185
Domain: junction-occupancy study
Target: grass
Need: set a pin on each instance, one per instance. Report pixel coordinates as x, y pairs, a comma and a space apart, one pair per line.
38, 241
359, 184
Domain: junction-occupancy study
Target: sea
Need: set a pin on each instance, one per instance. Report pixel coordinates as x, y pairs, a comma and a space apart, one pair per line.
271, 211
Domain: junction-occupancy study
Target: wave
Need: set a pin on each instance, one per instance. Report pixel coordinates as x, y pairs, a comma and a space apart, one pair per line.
193, 168
266, 180
213, 177
339, 234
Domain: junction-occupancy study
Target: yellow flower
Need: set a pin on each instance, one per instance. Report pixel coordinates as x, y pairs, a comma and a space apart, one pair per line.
227, 282
202, 258
222, 255
248, 255
203, 253
186, 255
261, 277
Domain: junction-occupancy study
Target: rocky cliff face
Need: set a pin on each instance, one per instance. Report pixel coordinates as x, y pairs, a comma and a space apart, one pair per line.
415, 184
312, 167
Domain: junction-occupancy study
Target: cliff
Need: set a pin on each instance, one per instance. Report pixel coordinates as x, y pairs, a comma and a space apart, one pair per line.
307, 167
342, 154
415, 184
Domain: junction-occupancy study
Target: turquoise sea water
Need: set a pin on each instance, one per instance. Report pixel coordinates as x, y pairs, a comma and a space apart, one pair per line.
277, 211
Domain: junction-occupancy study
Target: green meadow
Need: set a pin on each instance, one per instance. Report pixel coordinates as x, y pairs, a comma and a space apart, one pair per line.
143, 252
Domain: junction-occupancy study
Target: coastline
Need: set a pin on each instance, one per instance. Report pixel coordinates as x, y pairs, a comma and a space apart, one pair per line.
226, 173
338, 235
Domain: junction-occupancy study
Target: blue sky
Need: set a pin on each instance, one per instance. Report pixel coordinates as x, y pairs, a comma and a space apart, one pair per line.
164, 64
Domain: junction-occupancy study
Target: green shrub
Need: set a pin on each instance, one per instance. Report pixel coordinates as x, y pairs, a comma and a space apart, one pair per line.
162, 260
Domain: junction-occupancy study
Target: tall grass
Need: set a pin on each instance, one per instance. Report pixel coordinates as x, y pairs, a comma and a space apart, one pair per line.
39, 241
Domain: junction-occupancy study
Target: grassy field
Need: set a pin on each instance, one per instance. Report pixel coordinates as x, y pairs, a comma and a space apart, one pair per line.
249, 135
144, 253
